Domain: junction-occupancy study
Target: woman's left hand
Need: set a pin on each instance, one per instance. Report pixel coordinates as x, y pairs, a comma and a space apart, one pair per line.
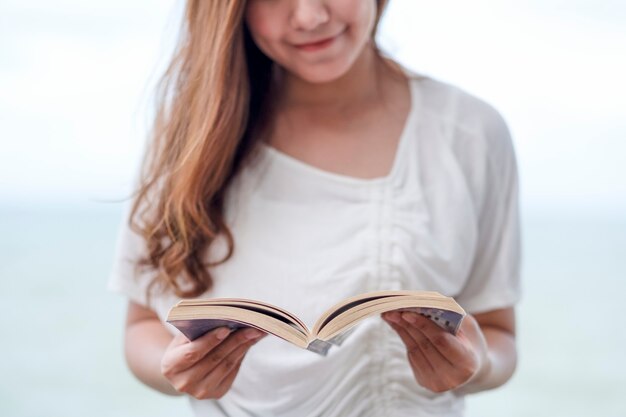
441, 361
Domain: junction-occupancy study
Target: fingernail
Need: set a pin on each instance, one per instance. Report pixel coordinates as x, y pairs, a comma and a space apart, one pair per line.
222, 333
410, 317
391, 317
253, 334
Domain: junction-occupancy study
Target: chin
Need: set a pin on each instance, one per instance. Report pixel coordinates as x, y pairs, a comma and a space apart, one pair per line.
321, 73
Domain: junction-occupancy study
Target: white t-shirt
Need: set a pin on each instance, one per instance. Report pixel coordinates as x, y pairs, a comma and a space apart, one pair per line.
445, 219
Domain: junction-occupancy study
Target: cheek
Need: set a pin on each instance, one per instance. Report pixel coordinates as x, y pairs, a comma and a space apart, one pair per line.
359, 17
360, 14
264, 25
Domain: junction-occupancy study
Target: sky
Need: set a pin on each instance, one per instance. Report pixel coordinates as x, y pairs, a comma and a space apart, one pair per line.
76, 80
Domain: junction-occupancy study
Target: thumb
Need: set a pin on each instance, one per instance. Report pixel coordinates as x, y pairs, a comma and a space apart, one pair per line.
179, 339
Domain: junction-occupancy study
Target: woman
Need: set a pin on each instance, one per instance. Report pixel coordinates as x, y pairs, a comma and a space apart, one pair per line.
294, 163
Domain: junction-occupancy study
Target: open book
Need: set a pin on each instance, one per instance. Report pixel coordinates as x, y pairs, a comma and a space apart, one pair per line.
198, 316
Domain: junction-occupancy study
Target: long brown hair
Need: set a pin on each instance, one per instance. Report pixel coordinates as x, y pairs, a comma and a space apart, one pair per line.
209, 100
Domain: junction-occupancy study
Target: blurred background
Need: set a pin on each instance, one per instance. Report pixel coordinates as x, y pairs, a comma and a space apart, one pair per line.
76, 81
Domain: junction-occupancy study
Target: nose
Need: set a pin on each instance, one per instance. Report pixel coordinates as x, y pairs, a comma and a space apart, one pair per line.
309, 14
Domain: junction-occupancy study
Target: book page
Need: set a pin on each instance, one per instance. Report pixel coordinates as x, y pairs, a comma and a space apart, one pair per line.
197, 320
435, 309
375, 297
254, 305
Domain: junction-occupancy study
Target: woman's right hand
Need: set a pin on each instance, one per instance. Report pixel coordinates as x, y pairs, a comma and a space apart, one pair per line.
206, 367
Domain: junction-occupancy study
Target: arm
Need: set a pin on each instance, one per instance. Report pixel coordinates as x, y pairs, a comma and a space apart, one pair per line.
481, 356
146, 340
498, 328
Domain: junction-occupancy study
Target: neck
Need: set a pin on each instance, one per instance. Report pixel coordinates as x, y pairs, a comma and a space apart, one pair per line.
359, 83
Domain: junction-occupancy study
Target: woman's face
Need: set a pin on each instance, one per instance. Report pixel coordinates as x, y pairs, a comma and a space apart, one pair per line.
316, 40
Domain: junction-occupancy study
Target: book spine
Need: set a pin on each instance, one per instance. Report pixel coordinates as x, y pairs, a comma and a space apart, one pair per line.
319, 346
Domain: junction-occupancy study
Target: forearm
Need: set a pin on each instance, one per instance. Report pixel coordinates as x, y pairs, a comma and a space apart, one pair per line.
145, 344
501, 361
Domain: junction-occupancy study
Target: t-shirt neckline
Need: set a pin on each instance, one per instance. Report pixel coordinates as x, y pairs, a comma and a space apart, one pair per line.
399, 156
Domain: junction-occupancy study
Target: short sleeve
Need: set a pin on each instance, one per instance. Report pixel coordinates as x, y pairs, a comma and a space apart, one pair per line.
494, 279
125, 278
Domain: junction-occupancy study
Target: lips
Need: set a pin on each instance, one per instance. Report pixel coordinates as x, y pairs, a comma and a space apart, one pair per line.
318, 44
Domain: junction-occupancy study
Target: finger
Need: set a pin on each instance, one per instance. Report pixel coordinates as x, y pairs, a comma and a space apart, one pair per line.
215, 356
451, 370
447, 344
234, 341
191, 352
422, 368
206, 388
226, 370
391, 316
408, 341
424, 371
224, 374
431, 371
441, 375
441, 365
228, 380
412, 347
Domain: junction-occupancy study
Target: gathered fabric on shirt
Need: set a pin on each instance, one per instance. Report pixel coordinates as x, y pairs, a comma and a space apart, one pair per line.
444, 219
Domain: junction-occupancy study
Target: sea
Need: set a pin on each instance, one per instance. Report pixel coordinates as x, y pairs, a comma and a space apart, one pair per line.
62, 349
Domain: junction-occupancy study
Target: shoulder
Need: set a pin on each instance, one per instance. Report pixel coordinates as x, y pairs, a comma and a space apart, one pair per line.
467, 128
459, 110
472, 126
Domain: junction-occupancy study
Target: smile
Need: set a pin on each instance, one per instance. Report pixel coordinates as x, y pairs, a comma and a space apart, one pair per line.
318, 45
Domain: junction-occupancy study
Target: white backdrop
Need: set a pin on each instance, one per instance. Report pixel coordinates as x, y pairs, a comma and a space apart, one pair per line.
76, 79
